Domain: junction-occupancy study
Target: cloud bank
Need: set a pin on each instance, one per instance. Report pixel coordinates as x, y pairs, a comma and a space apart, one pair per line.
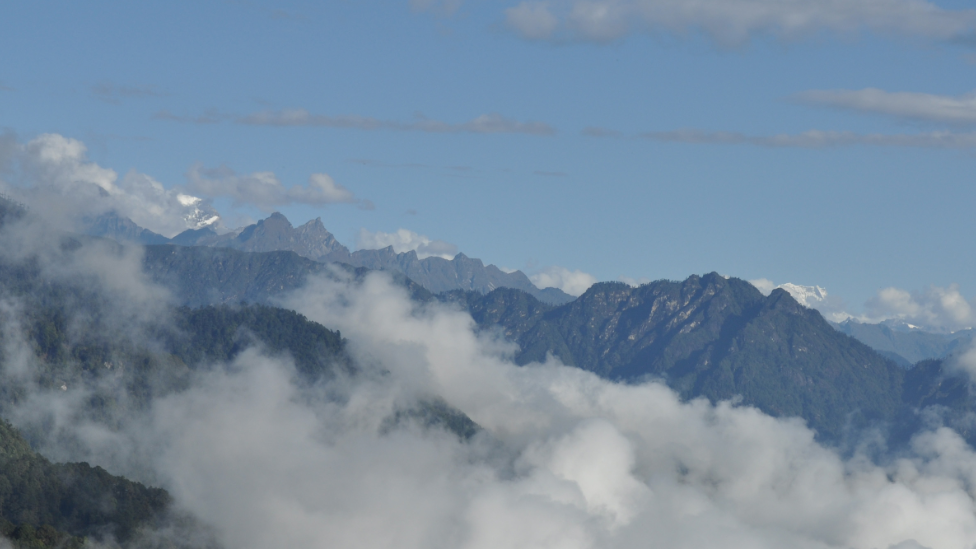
572, 282
565, 459
734, 22
403, 241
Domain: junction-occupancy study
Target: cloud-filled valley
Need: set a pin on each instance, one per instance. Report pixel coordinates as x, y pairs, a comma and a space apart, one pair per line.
533, 274
261, 457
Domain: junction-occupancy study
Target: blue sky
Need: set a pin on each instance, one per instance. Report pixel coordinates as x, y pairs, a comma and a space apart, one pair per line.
624, 138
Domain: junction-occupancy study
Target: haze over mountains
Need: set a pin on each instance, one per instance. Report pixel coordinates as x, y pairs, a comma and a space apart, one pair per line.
265, 399
314, 242
903, 343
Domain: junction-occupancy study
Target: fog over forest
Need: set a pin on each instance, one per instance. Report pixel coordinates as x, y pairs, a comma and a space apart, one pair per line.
561, 458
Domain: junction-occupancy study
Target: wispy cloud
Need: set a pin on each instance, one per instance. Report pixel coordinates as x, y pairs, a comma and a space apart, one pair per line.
265, 191
486, 123
544, 173
439, 7
113, 93
818, 139
593, 131
733, 22
958, 109
211, 116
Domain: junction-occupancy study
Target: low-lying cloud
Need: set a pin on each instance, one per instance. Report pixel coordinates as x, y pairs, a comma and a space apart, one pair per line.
734, 22
955, 110
564, 459
404, 240
572, 282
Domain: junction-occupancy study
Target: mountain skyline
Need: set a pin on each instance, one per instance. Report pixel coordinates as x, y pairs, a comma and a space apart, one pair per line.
649, 145
450, 274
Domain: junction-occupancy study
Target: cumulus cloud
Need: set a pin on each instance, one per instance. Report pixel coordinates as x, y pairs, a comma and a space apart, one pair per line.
572, 282
936, 308
486, 123
960, 109
733, 22
265, 190
54, 174
404, 240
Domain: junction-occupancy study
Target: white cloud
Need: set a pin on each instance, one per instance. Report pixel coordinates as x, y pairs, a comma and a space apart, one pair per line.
405, 241
733, 22
965, 363
486, 123
764, 285
960, 109
264, 189
54, 171
572, 282
934, 309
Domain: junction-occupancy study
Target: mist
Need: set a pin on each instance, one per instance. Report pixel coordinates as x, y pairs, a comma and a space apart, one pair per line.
563, 459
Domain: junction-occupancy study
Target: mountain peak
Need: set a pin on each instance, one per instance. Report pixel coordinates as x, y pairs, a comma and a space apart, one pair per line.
276, 218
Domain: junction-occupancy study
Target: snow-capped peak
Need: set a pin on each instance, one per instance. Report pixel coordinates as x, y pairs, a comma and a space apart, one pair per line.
808, 296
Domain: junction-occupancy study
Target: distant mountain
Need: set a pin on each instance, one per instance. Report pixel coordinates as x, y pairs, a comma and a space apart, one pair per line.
461, 273
903, 343
112, 225
707, 336
314, 242
201, 275
273, 234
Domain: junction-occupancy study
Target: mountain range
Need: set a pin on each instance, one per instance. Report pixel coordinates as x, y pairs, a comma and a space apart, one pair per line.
904, 343
707, 337
314, 242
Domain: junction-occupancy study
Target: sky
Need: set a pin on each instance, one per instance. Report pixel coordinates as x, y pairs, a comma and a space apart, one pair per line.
824, 143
